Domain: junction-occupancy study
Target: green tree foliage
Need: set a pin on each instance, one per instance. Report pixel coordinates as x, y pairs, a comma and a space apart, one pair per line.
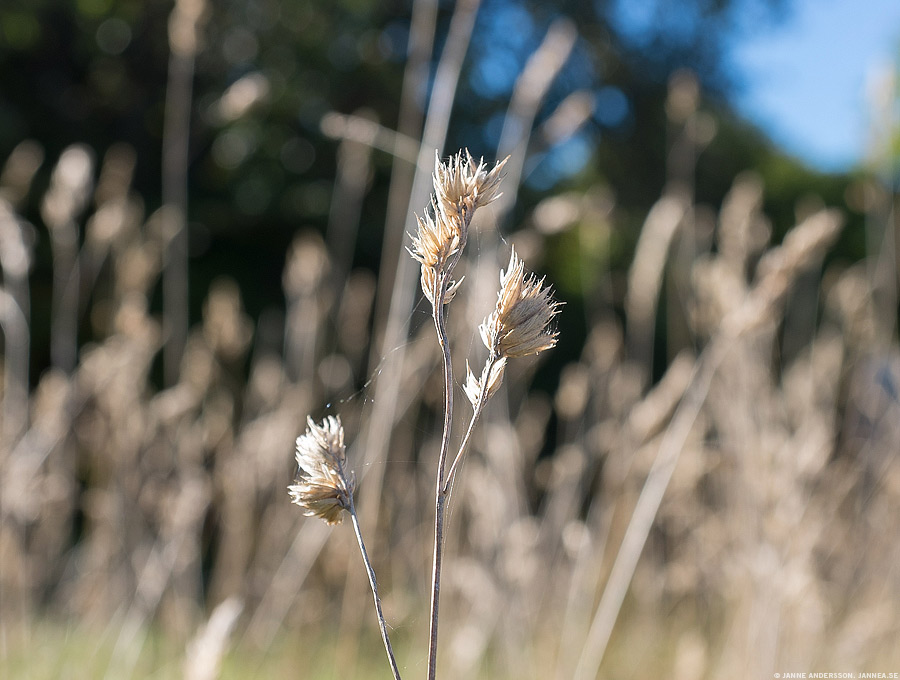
94, 71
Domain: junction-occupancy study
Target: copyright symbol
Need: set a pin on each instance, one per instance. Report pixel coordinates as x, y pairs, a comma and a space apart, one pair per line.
778, 675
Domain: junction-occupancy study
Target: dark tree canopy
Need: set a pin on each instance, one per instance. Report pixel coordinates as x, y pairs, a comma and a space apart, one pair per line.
94, 71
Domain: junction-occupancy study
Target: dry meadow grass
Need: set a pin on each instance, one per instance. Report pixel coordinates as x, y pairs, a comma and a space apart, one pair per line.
735, 517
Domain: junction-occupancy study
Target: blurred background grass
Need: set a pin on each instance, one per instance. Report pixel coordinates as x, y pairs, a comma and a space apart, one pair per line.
202, 218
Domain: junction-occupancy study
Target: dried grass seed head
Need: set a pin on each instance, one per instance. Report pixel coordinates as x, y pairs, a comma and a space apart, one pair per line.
435, 242
461, 186
70, 186
521, 321
427, 283
472, 387
323, 487
436, 239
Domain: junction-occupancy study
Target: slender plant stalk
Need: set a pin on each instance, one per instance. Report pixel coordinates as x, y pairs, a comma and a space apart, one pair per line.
325, 489
440, 496
183, 28
14, 404
64, 322
518, 326
14, 263
400, 297
354, 161
175, 162
479, 407
434, 133
445, 483
371, 574
410, 119
530, 89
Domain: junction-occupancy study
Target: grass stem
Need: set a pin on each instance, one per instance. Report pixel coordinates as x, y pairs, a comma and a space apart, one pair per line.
440, 496
370, 572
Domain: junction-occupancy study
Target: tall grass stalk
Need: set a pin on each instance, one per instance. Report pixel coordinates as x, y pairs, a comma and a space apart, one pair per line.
324, 488
395, 291
518, 326
185, 23
370, 572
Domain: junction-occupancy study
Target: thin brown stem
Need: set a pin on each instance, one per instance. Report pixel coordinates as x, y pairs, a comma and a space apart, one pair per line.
400, 291
438, 294
64, 302
479, 407
176, 133
436, 565
184, 27
372, 582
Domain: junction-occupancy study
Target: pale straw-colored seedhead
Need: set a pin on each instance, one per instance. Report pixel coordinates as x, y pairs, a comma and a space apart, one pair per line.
436, 239
70, 187
472, 387
461, 186
427, 283
521, 321
323, 487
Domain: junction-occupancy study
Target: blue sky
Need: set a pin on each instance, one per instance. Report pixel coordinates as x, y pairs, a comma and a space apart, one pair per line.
806, 77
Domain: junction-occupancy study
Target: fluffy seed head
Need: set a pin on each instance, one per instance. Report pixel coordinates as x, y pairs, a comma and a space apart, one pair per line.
322, 488
520, 322
436, 239
461, 186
